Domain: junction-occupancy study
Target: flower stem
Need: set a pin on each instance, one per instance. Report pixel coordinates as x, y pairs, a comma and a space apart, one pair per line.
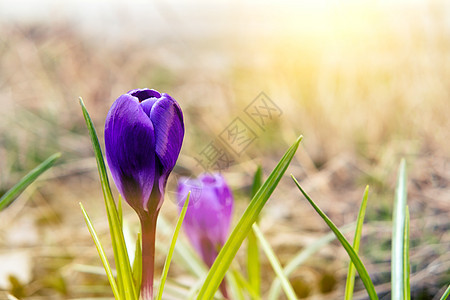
223, 289
148, 227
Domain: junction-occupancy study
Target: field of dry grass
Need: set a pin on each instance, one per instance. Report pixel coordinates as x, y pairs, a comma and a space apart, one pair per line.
363, 94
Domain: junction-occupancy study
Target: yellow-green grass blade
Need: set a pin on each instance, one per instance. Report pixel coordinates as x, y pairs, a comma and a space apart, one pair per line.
253, 262
172, 247
124, 273
350, 284
234, 287
184, 255
246, 285
287, 287
19, 187
446, 293
367, 281
137, 264
406, 264
101, 253
398, 229
301, 257
240, 232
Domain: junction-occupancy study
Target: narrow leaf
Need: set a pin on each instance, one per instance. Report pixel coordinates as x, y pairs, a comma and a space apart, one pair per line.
234, 287
124, 273
172, 247
101, 253
137, 264
253, 262
184, 253
406, 264
398, 229
19, 187
287, 287
350, 284
246, 285
240, 232
353, 256
301, 257
446, 294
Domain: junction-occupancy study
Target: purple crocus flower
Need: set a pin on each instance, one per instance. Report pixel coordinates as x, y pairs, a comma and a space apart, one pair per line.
208, 217
144, 131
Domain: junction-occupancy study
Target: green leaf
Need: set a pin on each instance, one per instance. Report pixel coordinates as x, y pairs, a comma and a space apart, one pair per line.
398, 229
246, 285
119, 211
253, 263
301, 257
124, 273
101, 253
137, 264
234, 286
257, 181
350, 284
353, 256
287, 287
172, 247
19, 187
240, 232
184, 254
446, 293
406, 265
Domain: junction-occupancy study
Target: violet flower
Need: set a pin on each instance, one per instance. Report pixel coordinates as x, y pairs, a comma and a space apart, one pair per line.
144, 131
208, 217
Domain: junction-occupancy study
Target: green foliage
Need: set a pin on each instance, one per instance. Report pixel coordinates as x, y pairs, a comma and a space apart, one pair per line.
288, 290
253, 263
240, 232
398, 231
125, 282
19, 187
172, 247
350, 284
351, 252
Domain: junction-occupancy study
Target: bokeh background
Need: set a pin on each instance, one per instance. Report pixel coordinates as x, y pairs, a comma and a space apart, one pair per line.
365, 82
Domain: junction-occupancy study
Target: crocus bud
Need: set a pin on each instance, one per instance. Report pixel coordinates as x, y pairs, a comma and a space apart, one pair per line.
144, 131
208, 217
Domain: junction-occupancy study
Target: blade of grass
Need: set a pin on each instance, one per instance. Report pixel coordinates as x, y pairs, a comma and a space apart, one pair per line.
350, 284
398, 229
137, 264
406, 265
301, 257
184, 253
246, 285
172, 247
240, 232
287, 287
19, 187
101, 253
446, 294
253, 263
234, 287
124, 273
353, 256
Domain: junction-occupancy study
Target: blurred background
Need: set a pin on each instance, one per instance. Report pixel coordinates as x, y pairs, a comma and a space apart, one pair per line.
365, 82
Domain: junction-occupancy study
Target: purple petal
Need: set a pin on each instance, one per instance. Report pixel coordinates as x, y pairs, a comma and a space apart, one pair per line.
208, 216
130, 144
143, 94
168, 122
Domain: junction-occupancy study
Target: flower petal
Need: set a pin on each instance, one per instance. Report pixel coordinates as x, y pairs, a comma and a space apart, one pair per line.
167, 120
130, 144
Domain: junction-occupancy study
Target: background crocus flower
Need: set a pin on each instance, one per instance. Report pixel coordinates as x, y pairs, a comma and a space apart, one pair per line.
208, 217
144, 132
